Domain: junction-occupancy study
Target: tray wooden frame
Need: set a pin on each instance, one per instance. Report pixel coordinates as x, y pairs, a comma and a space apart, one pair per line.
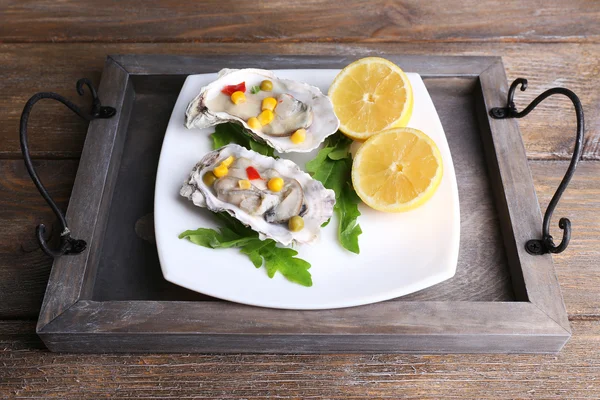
536, 323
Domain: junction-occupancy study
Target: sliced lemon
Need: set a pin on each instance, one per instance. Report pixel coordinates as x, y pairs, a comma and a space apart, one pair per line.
370, 95
397, 170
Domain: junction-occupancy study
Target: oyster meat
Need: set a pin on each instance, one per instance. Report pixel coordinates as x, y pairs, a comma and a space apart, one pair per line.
299, 105
249, 199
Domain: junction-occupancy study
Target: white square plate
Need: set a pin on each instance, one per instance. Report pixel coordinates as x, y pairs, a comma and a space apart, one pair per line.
399, 253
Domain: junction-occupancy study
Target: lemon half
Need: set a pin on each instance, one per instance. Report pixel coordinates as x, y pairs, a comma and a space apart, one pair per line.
397, 170
370, 95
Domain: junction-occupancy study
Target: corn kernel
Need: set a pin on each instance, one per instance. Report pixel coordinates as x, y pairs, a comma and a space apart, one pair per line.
266, 117
220, 171
254, 124
209, 178
244, 184
269, 103
275, 184
299, 136
228, 161
266, 86
238, 97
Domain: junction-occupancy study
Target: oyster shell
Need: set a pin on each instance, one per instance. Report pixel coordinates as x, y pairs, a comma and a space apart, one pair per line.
299, 105
264, 211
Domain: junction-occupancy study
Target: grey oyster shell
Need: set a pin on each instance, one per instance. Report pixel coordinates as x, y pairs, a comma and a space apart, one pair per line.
322, 124
316, 208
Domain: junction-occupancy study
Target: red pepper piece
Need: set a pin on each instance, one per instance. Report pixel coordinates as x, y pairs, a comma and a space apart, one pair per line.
230, 89
252, 173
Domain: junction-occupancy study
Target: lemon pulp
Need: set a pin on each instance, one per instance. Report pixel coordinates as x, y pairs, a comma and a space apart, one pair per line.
397, 170
370, 95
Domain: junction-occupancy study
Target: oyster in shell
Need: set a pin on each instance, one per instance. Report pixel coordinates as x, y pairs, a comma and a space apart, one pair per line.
250, 200
299, 105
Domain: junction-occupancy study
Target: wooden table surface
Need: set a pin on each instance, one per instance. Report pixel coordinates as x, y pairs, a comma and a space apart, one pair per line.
48, 45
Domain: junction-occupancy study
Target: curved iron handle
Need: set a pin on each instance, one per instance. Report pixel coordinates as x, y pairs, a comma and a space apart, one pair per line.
68, 244
546, 244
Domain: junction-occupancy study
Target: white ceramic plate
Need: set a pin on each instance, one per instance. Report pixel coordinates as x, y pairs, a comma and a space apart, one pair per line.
399, 253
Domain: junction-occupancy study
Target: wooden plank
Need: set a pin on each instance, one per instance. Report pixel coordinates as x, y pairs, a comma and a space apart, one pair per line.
24, 268
577, 267
315, 21
570, 374
18, 335
516, 200
427, 66
548, 132
222, 327
70, 277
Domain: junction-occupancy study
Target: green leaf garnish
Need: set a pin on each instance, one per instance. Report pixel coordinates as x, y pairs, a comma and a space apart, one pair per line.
255, 89
260, 252
347, 211
233, 133
333, 166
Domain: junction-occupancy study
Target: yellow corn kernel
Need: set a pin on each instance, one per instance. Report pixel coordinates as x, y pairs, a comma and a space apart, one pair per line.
244, 184
299, 136
269, 103
209, 178
228, 161
220, 171
238, 97
254, 124
266, 117
266, 86
275, 184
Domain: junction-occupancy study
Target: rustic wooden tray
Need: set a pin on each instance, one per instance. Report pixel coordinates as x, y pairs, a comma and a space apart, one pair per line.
113, 298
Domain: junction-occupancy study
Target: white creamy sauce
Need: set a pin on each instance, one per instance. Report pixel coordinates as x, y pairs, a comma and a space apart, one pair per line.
292, 114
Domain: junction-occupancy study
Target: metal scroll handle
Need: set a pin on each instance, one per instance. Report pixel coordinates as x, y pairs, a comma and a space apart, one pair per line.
546, 244
68, 245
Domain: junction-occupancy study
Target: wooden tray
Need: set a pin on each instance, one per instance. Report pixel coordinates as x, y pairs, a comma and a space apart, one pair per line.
113, 298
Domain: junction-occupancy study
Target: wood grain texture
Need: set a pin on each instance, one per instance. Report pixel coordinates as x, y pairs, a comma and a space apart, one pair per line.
223, 327
577, 268
145, 65
570, 374
18, 335
310, 21
70, 278
548, 132
516, 201
23, 267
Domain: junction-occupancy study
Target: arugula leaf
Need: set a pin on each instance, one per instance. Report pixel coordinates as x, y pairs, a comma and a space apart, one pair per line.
255, 89
331, 173
338, 154
236, 234
233, 133
333, 166
225, 134
261, 148
252, 250
284, 261
213, 239
347, 211
236, 226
